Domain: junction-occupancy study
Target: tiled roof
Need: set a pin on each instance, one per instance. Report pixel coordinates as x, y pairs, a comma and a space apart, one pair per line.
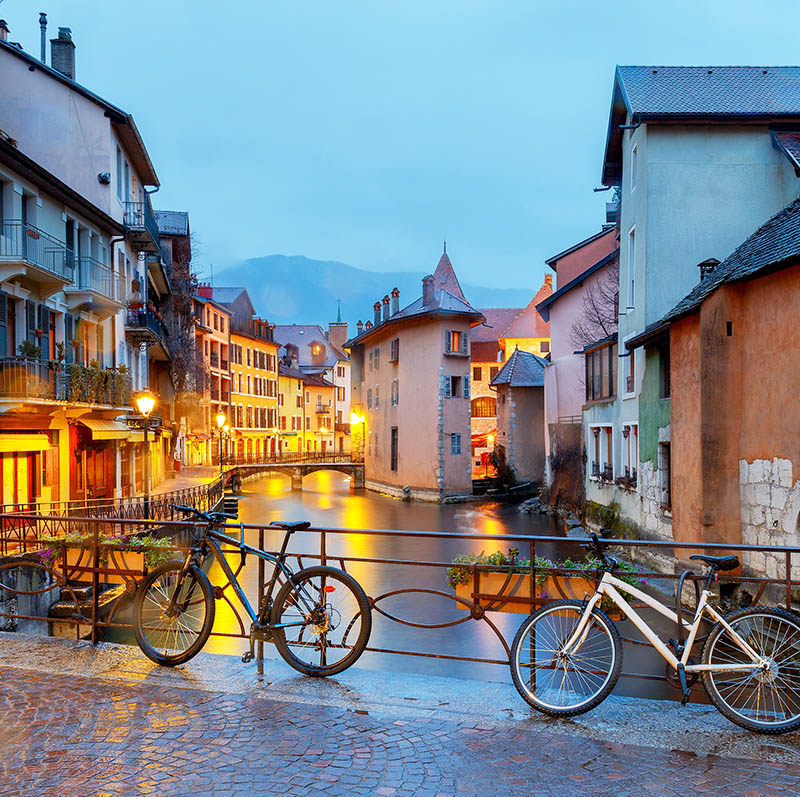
789, 142
316, 379
544, 306
445, 277
294, 373
498, 320
172, 222
712, 90
522, 369
302, 336
774, 242
529, 323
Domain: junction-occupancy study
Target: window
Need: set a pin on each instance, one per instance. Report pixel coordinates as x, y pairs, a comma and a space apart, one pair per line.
476, 373
394, 350
249, 359
665, 471
376, 357
377, 397
601, 373
371, 353
484, 407
455, 443
601, 445
395, 392
216, 321
394, 448
466, 387
308, 397
452, 386
308, 423
630, 373
455, 342
664, 371
493, 372
126, 190
631, 266
369, 398
340, 391
544, 347
120, 188
634, 158
630, 452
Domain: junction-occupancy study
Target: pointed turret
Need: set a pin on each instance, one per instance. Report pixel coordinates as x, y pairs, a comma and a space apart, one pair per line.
445, 276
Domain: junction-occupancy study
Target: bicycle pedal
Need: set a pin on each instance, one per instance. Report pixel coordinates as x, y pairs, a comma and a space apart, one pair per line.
249, 656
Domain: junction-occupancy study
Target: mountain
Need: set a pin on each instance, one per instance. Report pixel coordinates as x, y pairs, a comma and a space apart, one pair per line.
295, 289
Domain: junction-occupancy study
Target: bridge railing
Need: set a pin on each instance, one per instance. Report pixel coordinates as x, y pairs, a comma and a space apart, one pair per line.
416, 611
285, 458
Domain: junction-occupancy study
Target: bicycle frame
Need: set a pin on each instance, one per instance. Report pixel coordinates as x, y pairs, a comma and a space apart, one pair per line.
608, 586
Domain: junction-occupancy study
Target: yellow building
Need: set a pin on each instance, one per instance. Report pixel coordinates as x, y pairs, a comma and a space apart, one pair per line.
291, 409
253, 417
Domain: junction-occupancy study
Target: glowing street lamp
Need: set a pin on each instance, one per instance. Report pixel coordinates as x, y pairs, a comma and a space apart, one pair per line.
220, 423
490, 444
145, 403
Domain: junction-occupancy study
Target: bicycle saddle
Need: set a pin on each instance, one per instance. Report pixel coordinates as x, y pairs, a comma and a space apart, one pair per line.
297, 526
718, 562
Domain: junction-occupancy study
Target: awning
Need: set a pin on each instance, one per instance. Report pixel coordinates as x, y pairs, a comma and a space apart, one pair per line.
11, 443
106, 429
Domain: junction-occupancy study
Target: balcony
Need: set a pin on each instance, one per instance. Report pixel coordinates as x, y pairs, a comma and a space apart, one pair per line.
140, 227
214, 357
214, 393
323, 409
30, 379
142, 327
28, 251
96, 288
341, 427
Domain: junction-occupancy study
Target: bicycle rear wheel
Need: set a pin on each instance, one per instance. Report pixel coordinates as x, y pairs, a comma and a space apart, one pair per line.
559, 684
766, 701
168, 631
329, 621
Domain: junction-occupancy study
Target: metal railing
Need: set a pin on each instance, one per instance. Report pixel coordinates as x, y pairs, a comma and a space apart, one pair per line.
146, 319
22, 241
139, 216
396, 585
286, 458
98, 277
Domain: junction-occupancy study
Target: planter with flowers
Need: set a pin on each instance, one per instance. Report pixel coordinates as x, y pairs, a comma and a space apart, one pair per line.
507, 583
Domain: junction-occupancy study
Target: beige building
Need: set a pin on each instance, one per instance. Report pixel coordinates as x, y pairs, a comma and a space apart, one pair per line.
411, 387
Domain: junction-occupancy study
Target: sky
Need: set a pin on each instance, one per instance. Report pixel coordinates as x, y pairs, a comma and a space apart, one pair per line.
368, 131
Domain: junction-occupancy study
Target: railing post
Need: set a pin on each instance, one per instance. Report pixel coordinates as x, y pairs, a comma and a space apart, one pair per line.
322, 552
789, 580
95, 579
260, 647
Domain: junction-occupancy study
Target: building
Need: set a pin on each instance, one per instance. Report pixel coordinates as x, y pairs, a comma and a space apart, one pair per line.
520, 414
731, 469
321, 352
411, 391
679, 139
492, 343
78, 247
582, 310
291, 408
253, 417
318, 404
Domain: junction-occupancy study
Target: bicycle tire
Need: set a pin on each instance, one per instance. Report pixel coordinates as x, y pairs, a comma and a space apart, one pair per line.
285, 608
582, 677
782, 628
143, 627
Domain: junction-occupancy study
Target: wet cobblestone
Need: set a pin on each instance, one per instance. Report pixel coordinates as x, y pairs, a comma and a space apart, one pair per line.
72, 735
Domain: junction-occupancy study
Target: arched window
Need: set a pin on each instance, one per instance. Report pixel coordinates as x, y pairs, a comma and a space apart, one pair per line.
484, 407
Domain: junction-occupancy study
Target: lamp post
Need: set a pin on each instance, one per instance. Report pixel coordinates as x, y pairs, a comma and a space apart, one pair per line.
145, 403
220, 424
489, 443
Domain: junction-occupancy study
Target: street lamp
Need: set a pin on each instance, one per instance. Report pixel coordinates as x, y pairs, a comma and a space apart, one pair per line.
145, 403
220, 424
489, 442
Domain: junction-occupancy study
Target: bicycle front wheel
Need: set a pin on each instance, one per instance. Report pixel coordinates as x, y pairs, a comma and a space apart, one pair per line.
763, 700
323, 621
173, 613
559, 683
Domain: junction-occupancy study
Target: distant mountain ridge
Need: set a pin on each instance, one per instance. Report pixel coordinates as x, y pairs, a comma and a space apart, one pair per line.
289, 289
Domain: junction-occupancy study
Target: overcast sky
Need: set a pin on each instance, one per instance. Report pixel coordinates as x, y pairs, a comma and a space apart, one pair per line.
367, 131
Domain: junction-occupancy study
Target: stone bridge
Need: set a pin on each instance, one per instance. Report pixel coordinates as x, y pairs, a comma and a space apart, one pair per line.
296, 466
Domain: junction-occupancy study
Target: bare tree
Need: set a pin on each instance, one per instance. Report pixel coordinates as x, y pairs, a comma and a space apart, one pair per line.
599, 309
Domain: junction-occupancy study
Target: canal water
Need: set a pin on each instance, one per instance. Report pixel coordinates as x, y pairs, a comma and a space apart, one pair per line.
327, 500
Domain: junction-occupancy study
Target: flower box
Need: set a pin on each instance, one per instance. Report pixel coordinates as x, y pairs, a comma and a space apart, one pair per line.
132, 562
503, 586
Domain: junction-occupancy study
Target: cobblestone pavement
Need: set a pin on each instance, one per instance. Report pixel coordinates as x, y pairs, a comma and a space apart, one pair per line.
74, 735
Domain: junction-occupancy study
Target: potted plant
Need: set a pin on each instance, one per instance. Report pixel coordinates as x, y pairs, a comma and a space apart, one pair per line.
507, 579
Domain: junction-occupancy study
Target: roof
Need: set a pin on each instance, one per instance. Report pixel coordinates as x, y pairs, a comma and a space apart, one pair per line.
128, 132
230, 296
172, 222
206, 300
789, 142
293, 373
544, 306
773, 245
529, 323
555, 258
445, 277
498, 320
302, 336
522, 369
316, 380
697, 92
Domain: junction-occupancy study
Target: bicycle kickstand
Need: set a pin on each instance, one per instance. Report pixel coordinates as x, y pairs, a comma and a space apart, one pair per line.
687, 692
250, 654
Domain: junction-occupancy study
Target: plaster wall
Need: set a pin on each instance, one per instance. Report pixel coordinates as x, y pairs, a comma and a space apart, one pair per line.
575, 263
521, 430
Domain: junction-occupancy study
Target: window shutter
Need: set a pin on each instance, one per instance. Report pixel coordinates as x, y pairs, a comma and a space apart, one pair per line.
448, 386
463, 342
466, 387
448, 341
30, 320
3, 323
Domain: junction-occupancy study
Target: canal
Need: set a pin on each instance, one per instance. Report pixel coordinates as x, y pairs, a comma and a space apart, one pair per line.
327, 500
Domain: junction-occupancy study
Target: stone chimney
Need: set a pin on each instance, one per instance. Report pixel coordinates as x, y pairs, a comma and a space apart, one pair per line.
377, 308
360, 326
204, 290
427, 290
62, 53
337, 333
385, 308
395, 301
548, 280
368, 325
4, 31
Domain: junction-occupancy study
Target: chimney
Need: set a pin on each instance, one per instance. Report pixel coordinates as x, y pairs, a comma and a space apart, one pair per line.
4, 31
337, 333
385, 308
548, 280
62, 53
707, 267
368, 325
360, 326
204, 290
43, 28
377, 308
427, 290
395, 301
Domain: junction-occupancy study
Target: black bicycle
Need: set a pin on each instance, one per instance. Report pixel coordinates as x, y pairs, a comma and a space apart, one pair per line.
319, 620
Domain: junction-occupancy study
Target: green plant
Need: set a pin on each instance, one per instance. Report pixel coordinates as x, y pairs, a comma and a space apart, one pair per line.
156, 550
504, 473
60, 352
28, 349
76, 386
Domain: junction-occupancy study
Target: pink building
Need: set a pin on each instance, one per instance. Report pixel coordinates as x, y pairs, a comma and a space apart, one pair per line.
411, 391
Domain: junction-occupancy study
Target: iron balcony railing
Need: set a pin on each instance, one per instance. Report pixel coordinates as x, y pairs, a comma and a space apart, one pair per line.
47, 380
146, 320
138, 217
97, 277
22, 241
214, 357
323, 409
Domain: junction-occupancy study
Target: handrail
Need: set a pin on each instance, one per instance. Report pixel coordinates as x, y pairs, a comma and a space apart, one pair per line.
20, 240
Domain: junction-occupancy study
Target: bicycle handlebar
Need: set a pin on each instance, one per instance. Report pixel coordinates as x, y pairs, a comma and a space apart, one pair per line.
207, 517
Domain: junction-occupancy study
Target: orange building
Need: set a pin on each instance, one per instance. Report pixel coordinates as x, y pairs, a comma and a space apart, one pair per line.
319, 418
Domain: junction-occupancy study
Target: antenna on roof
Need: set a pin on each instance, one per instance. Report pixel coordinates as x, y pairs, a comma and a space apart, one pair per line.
445, 246
212, 274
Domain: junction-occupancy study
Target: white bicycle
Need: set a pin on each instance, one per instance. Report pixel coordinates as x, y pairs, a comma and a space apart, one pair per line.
567, 656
